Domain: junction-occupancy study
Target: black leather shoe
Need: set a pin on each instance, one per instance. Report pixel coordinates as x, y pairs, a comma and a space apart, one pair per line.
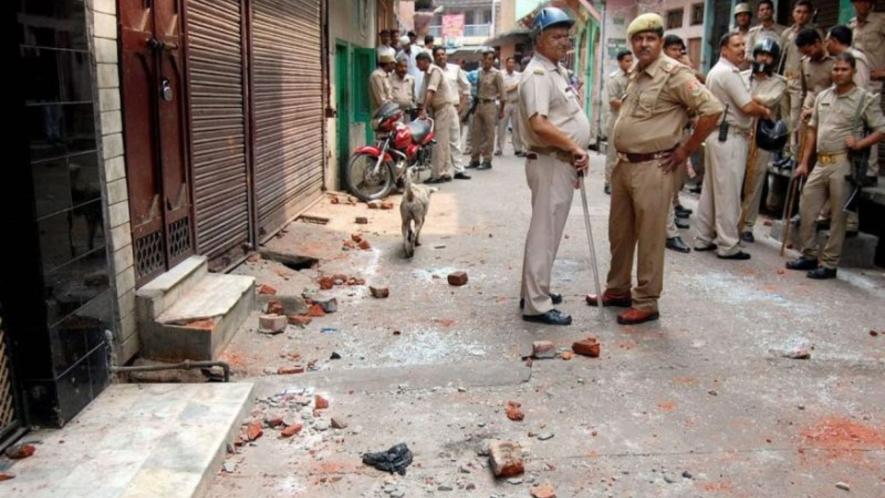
441, 179
738, 256
682, 212
552, 317
681, 223
519, 153
607, 189
822, 273
677, 244
748, 237
473, 164
802, 264
485, 165
709, 247
446, 178
555, 298
462, 176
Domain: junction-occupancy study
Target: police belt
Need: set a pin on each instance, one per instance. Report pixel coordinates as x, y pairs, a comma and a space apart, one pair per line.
483, 100
550, 152
825, 159
644, 157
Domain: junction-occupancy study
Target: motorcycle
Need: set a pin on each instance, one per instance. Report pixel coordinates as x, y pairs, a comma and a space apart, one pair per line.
374, 170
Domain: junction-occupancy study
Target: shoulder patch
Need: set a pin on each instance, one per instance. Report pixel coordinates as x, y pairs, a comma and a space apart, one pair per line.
668, 65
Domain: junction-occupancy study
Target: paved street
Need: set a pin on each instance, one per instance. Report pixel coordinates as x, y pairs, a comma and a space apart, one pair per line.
700, 403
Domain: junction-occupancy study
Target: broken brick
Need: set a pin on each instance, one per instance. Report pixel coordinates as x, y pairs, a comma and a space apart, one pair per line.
266, 289
364, 245
19, 451
4, 476
514, 412
356, 237
316, 311
327, 283
329, 305
361, 220
320, 403
543, 491
299, 320
379, 292
337, 423
567, 355
873, 333
356, 281
297, 369
587, 347
386, 205
374, 204
253, 431
291, 430
458, 278
275, 308
204, 324
543, 350
334, 200
505, 458
273, 323
274, 422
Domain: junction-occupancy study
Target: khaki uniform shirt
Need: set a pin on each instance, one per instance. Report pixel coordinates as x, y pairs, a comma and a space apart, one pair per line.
760, 32
790, 52
435, 81
861, 69
491, 84
768, 92
511, 86
869, 38
615, 87
544, 90
833, 116
659, 100
403, 90
458, 84
816, 77
379, 88
725, 82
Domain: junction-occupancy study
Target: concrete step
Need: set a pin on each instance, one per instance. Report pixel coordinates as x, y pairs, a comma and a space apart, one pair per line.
192, 318
857, 252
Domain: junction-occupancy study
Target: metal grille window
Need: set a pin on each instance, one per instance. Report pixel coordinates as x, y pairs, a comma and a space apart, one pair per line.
674, 18
697, 14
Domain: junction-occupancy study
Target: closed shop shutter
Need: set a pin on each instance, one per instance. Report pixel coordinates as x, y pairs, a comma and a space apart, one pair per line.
218, 129
287, 106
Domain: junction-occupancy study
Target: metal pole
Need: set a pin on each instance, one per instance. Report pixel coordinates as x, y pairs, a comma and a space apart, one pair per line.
593, 265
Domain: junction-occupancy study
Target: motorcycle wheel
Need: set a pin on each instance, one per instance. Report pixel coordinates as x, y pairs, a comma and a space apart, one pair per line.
365, 184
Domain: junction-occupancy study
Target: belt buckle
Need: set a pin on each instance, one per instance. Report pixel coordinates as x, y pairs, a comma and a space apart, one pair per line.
826, 159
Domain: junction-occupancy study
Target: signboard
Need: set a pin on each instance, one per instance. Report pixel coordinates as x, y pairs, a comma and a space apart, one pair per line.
453, 26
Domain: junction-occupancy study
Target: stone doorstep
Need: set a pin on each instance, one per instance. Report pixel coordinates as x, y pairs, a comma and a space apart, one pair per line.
857, 252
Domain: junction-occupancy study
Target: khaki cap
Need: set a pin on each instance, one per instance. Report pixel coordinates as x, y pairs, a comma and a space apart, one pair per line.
742, 8
645, 22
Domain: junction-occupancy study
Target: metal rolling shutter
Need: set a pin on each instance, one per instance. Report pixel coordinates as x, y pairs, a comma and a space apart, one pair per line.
218, 129
287, 106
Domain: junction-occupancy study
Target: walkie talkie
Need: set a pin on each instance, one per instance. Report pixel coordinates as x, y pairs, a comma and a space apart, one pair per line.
723, 126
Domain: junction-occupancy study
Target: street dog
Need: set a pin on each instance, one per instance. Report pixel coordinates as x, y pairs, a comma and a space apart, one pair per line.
413, 210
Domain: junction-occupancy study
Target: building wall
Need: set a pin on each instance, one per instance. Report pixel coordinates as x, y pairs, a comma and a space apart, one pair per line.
113, 171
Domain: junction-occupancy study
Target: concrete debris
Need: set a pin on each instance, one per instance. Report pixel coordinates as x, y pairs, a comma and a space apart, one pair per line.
379, 292
291, 430
273, 324
321, 425
587, 347
545, 490
19, 451
687, 475
505, 458
797, 349
229, 467
267, 290
843, 486
396, 459
514, 411
329, 305
361, 220
445, 487
567, 355
338, 423
515, 480
543, 350
458, 278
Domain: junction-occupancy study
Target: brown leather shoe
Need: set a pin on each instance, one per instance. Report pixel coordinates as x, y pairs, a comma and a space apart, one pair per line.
633, 316
609, 299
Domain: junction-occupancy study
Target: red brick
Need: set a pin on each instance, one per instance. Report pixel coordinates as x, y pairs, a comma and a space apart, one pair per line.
316, 311
275, 308
291, 430
505, 458
5, 476
320, 403
273, 323
356, 281
253, 431
567, 355
514, 412
19, 451
543, 491
379, 292
364, 245
356, 237
543, 349
362, 220
374, 205
386, 205
587, 347
266, 289
300, 320
334, 200
274, 422
326, 283
297, 369
458, 278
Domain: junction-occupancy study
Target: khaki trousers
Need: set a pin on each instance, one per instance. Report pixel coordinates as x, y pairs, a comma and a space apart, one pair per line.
791, 109
483, 131
642, 193
719, 209
456, 162
440, 163
509, 117
611, 154
552, 183
825, 183
753, 196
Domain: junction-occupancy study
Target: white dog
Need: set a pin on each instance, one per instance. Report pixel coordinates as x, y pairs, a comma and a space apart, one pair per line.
413, 209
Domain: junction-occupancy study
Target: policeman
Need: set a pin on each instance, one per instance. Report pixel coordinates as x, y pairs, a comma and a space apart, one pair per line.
648, 136
766, 28
459, 91
511, 102
556, 131
402, 83
379, 82
490, 91
719, 208
615, 87
768, 89
868, 29
436, 100
743, 14
833, 133
792, 71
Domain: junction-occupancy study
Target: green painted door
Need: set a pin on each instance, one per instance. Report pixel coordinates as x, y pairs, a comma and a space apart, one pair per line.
342, 104
363, 65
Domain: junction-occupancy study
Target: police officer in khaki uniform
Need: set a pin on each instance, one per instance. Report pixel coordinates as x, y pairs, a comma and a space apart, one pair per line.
743, 15
868, 28
725, 158
379, 81
511, 102
648, 136
767, 89
459, 91
557, 132
766, 28
791, 107
615, 87
832, 131
402, 84
436, 100
490, 91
